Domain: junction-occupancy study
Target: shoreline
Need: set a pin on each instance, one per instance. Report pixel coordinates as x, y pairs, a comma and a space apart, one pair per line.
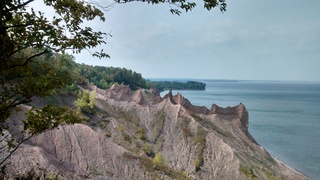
291, 168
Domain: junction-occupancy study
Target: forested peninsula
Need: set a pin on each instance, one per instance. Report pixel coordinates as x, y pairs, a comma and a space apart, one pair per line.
178, 85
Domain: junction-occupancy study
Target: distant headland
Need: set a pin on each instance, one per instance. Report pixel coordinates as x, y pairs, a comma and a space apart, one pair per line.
163, 85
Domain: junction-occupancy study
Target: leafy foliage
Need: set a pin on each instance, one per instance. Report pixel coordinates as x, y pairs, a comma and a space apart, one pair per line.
158, 159
147, 149
18, 85
49, 117
184, 4
40, 77
27, 40
104, 77
23, 28
29, 65
85, 101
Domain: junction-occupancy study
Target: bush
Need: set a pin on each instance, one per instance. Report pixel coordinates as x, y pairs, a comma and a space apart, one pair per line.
248, 172
53, 176
158, 159
147, 149
141, 134
85, 101
103, 124
200, 140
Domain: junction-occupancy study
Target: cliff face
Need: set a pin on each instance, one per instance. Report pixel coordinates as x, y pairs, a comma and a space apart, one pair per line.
129, 128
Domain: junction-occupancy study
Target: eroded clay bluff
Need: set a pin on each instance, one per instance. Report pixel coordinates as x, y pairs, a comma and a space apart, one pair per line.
128, 129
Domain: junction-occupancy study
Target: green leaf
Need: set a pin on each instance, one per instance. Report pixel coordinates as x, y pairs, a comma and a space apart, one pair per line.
49, 117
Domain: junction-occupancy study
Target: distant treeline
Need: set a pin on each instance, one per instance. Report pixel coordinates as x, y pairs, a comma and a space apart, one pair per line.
176, 85
105, 77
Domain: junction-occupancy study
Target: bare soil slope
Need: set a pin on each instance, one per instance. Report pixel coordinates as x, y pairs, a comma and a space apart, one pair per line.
129, 128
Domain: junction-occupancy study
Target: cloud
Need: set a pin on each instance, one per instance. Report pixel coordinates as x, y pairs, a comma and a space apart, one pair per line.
252, 40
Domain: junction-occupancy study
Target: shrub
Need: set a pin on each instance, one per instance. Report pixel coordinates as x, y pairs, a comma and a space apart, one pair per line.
85, 101
147, 149
141, 134
158, 159
200, 140
103, 124
248, 172
107, 133
53, 176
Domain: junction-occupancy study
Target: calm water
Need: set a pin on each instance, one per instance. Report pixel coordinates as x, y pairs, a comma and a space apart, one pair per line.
284, 117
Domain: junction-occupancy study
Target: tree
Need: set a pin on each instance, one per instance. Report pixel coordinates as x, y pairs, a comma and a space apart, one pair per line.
27, 36
85, 101
29, 42
39, 77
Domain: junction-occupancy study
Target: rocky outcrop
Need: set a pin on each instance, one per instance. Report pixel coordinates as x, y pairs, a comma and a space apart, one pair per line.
131, 127
179, 99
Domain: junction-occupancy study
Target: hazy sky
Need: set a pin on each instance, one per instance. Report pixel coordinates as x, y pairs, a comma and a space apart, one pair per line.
253, 40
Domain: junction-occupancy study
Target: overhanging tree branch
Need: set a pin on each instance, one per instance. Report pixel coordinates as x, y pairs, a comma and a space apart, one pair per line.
18, 25
17, 146
28, 60
183, 4
15, 103
19, 6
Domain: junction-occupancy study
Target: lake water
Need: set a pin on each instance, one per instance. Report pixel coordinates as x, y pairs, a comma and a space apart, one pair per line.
284, 117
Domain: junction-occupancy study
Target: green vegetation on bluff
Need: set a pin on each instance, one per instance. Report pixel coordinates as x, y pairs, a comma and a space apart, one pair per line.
104, 77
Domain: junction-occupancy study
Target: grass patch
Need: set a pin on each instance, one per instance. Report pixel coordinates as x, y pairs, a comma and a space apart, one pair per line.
157, 169
109, 172
141, 134
125, 136
103, 124
200, 141
94, 171
271, 176
248, 172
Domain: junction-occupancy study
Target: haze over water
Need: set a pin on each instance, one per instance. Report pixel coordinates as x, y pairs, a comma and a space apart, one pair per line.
284, 117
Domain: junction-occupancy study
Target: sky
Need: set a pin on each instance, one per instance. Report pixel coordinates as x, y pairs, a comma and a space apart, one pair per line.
253, 40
